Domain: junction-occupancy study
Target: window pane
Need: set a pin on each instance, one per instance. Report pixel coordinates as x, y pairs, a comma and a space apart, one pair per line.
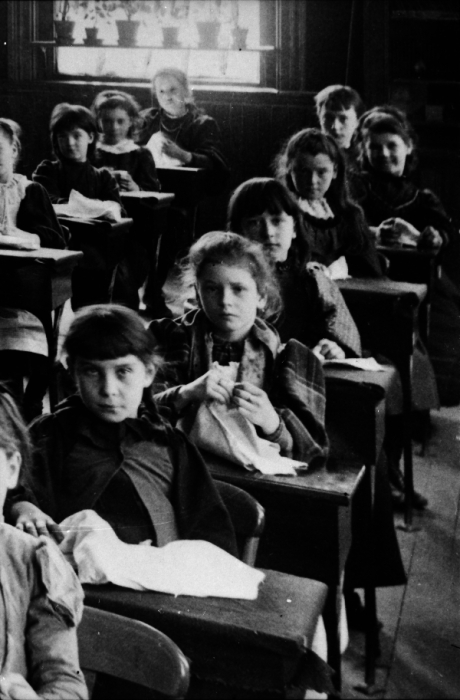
223, 64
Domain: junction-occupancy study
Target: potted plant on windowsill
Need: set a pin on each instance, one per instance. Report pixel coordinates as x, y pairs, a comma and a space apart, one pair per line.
208, 24
127, 28
63, 26
93, 11
170, 14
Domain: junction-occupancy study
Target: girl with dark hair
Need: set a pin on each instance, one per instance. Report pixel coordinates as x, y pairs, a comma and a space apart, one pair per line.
41, 599
107, 449
117, 117
398, 209
280, 390
312, 167
314, 312
73, 134
27, 222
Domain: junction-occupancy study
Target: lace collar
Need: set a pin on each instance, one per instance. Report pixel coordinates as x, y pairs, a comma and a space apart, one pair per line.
125, 146
318, 208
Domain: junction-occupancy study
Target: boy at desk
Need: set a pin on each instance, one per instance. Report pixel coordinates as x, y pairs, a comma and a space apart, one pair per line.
107, 449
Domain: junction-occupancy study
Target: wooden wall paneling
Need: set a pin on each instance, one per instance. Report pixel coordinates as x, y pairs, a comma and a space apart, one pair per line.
376, 51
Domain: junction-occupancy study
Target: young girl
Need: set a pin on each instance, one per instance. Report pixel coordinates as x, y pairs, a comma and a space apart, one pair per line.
117, 116
314, 311
41, 599
312, 167
108, 450
179, 134
280, 391
27, 221
393, 202
73, 136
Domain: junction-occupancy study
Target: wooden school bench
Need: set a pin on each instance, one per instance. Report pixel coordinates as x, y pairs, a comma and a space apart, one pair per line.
386, 314
307, 527
39, 281
237, 648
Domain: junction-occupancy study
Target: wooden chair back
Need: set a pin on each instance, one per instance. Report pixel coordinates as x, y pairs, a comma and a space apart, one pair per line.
248, 518
131, 651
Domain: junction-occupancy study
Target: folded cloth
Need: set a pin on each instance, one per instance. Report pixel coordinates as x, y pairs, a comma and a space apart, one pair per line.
184, 567
81, 207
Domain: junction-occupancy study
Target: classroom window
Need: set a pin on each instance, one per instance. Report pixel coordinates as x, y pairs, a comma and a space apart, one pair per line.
213, 41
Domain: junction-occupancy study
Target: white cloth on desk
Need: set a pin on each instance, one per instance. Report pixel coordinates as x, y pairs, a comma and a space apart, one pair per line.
184, 567
81, 207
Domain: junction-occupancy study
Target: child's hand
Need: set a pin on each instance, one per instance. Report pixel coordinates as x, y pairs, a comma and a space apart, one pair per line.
430, 238
125, 181
328, 350
35, 522
172, 150
211, 386
13, 686
254, 404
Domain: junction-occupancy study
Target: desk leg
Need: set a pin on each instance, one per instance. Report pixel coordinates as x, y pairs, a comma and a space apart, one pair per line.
53, 349
407, 438
153, 298
332, 612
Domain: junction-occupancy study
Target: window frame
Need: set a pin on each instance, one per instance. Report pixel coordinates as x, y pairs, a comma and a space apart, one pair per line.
283, 25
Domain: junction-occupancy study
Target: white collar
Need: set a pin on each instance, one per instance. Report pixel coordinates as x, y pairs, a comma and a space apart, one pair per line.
125, 146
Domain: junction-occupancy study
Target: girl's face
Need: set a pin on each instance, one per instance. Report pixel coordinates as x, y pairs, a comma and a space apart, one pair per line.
387, 153
171, 95
8, 155
112, 389
9, 473
115, 125
73, 144
339, 123
274, 231
312, 175
230, 299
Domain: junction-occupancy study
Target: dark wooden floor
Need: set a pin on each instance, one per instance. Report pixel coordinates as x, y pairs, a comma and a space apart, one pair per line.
420, 638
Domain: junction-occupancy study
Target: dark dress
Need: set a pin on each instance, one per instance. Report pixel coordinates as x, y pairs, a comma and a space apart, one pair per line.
386, 196
120, 483
139, 163
89, 286
133, 270
330, 239
198, 134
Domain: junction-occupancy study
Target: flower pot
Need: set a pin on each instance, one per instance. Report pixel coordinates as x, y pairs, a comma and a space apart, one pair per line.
127, 32
170, 37
208, 33
91, 37
240, 35
64, 32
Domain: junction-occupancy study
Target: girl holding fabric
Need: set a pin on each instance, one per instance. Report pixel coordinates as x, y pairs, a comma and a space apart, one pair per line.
279, 390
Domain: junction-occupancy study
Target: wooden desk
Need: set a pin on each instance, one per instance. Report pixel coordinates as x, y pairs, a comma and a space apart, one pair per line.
386, 313
355, 423
307, 528
240, 648
188, 184
418, 266
39, 281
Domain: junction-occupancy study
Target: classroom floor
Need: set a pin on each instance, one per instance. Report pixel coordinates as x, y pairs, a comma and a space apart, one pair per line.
420, 638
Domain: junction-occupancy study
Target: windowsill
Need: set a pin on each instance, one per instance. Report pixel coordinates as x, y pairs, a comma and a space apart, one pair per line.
197, 87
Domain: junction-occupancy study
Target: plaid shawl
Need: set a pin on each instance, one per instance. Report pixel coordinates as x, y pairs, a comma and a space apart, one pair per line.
293, 378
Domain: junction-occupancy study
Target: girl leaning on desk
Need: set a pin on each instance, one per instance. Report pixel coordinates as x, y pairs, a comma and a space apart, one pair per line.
27, 222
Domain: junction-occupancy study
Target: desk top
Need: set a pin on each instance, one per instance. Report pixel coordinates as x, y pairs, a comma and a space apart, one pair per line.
383, 287
46, 255
159, 197
334, 483
409, 252
380, 381
244, 643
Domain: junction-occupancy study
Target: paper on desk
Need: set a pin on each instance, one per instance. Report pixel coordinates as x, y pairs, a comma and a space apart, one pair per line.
81, 207
369, 364
184, 567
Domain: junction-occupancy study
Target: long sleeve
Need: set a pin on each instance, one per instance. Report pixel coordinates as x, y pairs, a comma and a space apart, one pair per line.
47, 174
36, 215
